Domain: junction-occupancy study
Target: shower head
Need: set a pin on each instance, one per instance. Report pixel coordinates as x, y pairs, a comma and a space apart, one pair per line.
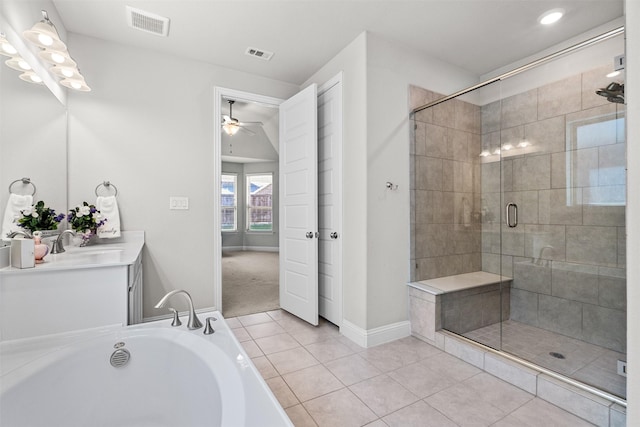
614, 92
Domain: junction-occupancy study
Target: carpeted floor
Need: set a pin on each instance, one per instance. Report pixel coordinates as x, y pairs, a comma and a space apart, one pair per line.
249, 282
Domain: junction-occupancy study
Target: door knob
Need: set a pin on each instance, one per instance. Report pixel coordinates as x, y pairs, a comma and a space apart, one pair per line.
309, 234
334, 235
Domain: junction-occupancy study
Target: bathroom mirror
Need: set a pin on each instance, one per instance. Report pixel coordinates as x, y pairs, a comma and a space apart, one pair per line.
33, 141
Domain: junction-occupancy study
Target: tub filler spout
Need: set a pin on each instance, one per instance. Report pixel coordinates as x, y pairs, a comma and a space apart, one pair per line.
193, 322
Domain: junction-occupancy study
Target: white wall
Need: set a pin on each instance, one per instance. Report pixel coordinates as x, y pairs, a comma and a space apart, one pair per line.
376, 150
632, 93
147, 126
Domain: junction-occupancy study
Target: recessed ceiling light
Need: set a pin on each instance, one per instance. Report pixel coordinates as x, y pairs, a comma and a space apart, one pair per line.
551, 16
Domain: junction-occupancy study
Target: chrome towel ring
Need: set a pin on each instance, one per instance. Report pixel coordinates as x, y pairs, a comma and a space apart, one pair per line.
24, 181
107, 185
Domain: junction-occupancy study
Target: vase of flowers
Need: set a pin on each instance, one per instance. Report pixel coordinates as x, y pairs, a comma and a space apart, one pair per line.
85, 220
39, 218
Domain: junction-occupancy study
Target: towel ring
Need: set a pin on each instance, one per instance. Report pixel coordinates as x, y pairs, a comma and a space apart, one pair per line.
107, 184
24, 181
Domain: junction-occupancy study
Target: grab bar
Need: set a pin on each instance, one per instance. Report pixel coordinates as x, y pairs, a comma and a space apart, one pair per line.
512, 207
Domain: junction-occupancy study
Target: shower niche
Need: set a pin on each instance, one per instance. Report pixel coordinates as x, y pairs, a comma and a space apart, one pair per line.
523, 182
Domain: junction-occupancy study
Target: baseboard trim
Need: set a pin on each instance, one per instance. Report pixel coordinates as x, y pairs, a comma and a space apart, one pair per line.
376, 336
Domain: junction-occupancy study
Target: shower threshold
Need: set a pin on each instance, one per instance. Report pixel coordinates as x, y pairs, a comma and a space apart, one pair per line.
581, 361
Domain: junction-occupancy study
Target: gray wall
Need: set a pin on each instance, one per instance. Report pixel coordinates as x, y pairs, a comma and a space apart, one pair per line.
252, 240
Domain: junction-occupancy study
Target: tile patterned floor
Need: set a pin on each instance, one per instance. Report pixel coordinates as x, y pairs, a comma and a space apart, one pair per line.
323, 379
584, 362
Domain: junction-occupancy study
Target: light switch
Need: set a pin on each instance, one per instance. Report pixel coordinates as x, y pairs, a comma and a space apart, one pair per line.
176, 202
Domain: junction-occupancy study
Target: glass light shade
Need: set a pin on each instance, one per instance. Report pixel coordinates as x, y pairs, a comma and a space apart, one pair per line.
18, 64
65, 72
6, 48
31, 77
44, 35
57, 57
231, 128
76, 84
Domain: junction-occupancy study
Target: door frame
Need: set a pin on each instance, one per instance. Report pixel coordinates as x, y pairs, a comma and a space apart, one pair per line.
218, 93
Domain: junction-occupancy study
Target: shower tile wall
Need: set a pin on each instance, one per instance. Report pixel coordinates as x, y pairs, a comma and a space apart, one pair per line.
567, 255
445, 190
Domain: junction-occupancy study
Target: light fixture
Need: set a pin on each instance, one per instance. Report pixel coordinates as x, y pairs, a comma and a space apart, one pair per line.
485, 153
523, 144
31, 77
57, 57
230, 125
507, 147
18, 64
6, 48
77, 84
551, 16
613, 74
45, 35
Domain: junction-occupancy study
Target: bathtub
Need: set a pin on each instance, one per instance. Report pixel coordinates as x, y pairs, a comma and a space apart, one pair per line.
170, 377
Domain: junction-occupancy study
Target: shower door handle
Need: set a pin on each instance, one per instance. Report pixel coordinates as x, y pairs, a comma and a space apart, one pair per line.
512, 222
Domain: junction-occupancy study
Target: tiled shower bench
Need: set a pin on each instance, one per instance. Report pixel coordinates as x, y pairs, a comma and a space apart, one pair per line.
465, 302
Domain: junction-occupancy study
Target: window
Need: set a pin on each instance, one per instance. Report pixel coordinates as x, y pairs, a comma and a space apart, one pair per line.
259, 202
229, 202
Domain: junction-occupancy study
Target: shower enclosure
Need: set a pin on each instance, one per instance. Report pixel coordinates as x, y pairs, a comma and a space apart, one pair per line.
525, 178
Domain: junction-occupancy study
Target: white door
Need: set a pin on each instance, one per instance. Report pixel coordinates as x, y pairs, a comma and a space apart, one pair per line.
299, 205
330, 203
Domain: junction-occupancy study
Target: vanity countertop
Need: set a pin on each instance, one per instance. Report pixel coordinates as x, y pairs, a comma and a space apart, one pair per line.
123, 250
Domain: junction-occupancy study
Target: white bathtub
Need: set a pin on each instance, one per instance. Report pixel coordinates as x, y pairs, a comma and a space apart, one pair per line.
174, 377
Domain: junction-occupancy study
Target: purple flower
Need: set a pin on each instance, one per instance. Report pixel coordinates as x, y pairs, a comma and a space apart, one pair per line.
92, 209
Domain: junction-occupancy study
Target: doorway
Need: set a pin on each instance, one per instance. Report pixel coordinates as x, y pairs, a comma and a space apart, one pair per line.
328, 235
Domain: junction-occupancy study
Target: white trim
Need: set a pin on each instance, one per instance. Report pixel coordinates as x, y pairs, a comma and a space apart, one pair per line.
181, 313
251, 248
218, 93
372, 337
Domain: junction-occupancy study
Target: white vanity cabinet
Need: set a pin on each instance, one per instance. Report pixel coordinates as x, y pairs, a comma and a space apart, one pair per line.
82, 288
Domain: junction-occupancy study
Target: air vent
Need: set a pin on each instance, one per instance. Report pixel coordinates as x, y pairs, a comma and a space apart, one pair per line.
259, 53
147, 22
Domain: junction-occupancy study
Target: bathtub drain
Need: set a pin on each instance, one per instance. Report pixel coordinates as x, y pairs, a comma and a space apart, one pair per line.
120, 357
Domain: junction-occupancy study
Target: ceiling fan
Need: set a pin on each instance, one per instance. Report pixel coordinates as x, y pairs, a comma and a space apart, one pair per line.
231, 125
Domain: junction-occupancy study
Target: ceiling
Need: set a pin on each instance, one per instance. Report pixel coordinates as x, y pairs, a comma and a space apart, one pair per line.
476, 35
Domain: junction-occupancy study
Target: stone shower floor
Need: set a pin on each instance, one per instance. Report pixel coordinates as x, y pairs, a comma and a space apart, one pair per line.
587, 363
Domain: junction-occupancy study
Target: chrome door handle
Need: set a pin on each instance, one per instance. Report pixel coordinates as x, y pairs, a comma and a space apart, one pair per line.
309, 234
334, 235
509, 208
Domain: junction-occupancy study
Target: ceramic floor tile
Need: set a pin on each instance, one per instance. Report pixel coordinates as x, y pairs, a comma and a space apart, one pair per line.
340, 408
538, 413
310, 335
421, 380
233, 323
463, 406
377, 423
266, 329
282, 392
451, 366
312, 382
326, 351
419, 414
292, 360
241, 334
497, 392
276, 343
265, 367
352, 369
383, 395
300, 417
254, 319
252, 349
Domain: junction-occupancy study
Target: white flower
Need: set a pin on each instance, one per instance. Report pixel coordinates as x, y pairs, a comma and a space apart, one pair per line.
85, 210
34, 214
97, 216
27, 211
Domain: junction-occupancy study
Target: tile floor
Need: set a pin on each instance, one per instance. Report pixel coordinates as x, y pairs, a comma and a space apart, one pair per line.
584, 362
323, 379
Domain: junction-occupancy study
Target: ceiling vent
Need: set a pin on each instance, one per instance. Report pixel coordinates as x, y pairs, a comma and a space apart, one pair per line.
259, 53
147, 22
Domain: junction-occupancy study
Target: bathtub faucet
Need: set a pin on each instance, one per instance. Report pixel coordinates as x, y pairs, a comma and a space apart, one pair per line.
193, 322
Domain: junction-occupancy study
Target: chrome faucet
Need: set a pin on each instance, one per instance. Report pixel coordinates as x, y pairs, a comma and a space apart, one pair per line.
193, 322
15, 233
58, 246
